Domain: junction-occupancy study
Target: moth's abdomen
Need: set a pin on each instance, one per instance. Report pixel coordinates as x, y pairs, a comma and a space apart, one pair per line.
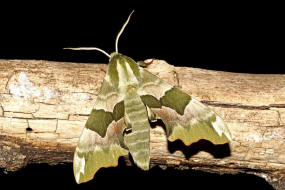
137, 140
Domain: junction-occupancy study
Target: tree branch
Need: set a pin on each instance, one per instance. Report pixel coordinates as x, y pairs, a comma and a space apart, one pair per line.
44, 106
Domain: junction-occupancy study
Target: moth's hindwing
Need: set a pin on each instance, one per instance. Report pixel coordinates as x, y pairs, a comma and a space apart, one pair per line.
185, 118
101, 142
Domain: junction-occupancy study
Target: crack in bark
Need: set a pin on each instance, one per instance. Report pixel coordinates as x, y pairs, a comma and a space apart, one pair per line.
17, 112
46, 103
2, 110
176, 77
9, 78
263, 134
33, 117
27, 131
279, 118
247, 107
273, 126
56, 125
43, 118
277, 105
46, 132
84, 93
83, 114
37, 118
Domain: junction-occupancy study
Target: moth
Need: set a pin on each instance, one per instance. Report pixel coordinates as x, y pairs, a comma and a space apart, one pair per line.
129, 97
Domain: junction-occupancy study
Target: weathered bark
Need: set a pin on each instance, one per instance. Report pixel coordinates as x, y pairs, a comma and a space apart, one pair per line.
44, 106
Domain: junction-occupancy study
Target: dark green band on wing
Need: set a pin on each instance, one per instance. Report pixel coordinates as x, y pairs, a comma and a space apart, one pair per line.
99, 121
119, 111
175, 99
151, 101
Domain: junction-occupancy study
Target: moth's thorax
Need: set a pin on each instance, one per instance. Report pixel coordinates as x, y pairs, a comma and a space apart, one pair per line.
122, 71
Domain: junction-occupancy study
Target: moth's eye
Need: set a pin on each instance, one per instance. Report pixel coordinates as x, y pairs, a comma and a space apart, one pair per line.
127, 130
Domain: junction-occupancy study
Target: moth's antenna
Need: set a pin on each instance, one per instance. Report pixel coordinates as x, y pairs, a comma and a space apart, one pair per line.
122, 29
90, 48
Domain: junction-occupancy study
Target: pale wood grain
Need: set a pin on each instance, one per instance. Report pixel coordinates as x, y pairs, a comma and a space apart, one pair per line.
44, 106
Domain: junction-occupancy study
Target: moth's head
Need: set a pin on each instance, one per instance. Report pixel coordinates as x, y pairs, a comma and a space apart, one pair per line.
118, 58
113, 55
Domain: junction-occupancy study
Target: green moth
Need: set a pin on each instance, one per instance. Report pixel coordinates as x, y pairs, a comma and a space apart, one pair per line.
129, 97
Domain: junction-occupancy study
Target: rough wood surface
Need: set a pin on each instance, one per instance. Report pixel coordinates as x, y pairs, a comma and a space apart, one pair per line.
44, 106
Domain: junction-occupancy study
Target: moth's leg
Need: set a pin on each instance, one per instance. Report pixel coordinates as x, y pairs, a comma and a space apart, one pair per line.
104, 70
146, 63
128, 125
151, 115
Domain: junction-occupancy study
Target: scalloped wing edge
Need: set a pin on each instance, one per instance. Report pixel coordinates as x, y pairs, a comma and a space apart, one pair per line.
198, 122
94, 152
185, 117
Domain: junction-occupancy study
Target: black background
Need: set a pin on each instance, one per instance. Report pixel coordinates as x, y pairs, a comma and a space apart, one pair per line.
219, 36
222, 36
122, 177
